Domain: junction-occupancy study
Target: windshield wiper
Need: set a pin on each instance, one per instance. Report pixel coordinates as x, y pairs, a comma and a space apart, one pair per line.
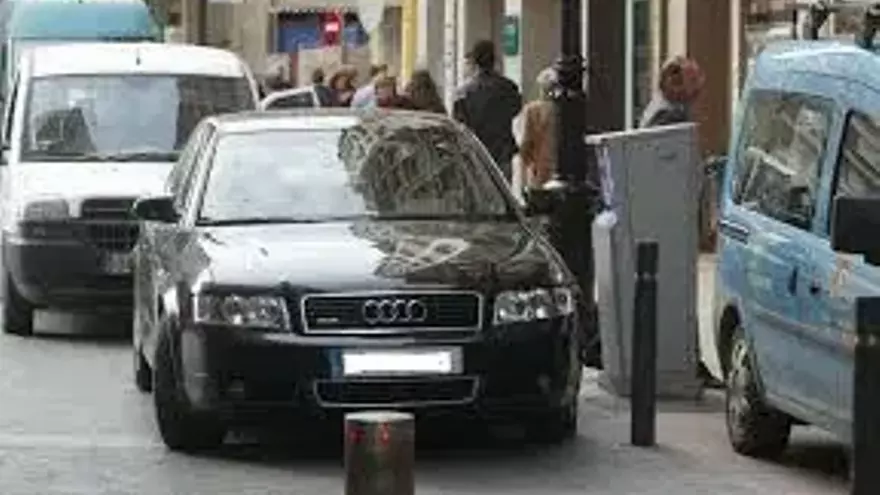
59, 156
66, 156
207, 222
472, 217
141, 156
466, 217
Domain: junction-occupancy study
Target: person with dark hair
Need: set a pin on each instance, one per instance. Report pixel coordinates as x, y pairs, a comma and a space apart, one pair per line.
386, 94
325, 95
681, 80
422, 93
318, 76
366, 94
342, 86
487, 103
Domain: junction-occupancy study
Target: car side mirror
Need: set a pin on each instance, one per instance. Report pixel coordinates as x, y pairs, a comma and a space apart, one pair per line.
155, 209
854, 222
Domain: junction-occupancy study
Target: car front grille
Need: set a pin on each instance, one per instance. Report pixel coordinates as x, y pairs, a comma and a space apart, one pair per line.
109, 224
107, 209
393, 312
399, 393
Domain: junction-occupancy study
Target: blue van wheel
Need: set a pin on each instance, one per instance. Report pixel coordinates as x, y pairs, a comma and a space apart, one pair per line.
754, 428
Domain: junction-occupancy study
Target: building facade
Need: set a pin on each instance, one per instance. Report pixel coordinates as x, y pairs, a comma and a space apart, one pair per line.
292, 36
625, 42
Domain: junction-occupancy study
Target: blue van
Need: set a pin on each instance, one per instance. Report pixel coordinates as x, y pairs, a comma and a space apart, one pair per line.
807, 131
28, 23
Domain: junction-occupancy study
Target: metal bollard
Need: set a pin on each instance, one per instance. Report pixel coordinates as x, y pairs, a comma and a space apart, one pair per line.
644, 360
379, 453
866, 398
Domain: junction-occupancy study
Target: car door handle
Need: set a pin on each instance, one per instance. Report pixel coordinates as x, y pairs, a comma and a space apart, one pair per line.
792, 281
734, 230
815, 288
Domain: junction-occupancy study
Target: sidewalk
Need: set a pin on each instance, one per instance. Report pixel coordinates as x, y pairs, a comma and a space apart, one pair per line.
693, 456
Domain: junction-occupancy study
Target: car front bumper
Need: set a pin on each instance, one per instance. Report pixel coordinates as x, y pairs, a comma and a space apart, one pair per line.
518, 368
65, 274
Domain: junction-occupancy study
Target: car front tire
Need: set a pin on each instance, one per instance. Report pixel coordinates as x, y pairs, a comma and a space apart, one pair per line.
143, 375
18, 313
556, 425
754, 428
181, 428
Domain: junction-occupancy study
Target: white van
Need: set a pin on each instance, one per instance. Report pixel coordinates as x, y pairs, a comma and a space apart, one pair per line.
89, 128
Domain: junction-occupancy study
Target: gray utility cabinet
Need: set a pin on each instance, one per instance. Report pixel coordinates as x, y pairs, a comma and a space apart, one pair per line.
650, 181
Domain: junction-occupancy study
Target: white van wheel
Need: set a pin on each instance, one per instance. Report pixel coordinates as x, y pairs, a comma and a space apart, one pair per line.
18, 313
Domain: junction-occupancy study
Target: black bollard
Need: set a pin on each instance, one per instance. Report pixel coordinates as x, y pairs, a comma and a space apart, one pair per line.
379, 453
643, 377
866, 398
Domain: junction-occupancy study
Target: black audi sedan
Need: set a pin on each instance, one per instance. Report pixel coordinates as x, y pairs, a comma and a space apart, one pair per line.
338, 259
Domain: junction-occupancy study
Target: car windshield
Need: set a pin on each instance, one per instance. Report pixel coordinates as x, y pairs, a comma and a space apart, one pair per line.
313, 176
123, 117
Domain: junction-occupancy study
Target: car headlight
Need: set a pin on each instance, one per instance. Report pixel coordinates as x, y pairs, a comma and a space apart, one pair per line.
38, 218
53, 209
532, 305
242, 311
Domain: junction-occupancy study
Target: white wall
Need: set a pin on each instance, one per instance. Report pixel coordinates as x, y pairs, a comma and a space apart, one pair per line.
540, 29
430, 33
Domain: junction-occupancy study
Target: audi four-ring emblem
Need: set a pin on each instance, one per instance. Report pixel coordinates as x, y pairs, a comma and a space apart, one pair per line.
394, 311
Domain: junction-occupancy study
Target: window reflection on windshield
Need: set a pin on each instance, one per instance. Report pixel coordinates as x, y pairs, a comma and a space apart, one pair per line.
318, 175
118, 117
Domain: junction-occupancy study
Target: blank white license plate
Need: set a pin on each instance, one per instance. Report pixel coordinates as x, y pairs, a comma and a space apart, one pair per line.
402, 362
117, 263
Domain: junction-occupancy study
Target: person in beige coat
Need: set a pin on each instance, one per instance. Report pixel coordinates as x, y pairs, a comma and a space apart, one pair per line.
537, 134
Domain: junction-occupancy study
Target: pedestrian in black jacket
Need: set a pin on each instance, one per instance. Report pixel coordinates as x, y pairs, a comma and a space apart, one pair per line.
487, 103
325, 94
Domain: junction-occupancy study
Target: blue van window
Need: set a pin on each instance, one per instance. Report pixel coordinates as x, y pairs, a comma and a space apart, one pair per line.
779, 160
858, 171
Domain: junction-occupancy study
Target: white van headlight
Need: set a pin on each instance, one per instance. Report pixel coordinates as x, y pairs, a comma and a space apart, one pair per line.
35, 212
41, 210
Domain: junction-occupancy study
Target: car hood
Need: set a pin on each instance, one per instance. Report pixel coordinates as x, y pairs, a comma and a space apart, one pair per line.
379, 255
79, 180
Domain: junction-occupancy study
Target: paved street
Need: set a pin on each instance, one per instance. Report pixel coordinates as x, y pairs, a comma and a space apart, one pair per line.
71, 422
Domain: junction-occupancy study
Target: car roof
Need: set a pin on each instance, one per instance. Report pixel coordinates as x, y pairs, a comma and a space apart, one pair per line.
324, 119
836, 58
135, 58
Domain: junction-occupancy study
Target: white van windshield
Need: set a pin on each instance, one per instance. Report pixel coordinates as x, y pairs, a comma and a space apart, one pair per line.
123, 117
